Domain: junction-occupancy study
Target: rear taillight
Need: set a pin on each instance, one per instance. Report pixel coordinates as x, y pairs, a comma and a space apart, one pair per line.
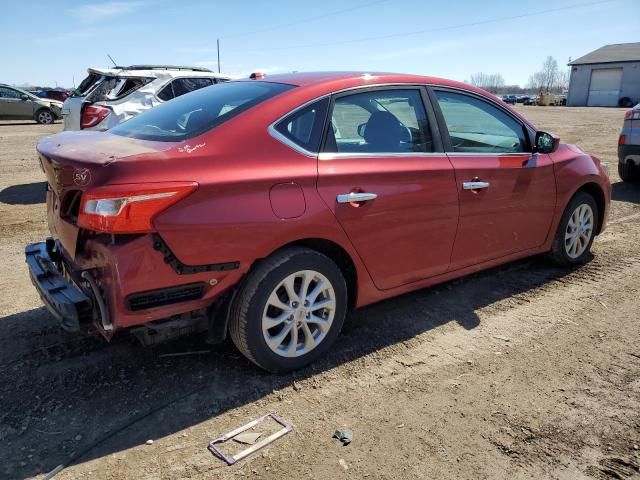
129, 208
92, 115
621, 140
632, 115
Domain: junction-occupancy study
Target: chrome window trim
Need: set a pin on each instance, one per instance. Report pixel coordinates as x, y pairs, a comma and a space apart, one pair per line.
333, 155
337, 155
489, 154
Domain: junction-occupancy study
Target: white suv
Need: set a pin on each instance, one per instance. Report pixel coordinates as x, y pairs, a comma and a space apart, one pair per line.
109, 96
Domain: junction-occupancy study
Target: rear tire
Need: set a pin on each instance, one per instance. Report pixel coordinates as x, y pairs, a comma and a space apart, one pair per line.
576, 231
628, 172
289, 310
45, 116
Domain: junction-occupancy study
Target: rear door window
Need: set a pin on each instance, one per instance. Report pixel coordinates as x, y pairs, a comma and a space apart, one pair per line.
384, 121
9, 93
180, 86
193, 114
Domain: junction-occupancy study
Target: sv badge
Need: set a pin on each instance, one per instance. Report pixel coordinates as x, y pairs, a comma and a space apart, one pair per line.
81, 177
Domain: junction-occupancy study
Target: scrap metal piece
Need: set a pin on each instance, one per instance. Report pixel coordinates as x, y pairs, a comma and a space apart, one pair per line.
231, 459
345, 436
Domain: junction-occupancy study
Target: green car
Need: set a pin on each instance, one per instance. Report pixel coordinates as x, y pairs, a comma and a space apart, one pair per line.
16, 104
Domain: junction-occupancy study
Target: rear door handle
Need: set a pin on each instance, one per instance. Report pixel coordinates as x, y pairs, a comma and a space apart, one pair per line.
355, 197
475, 185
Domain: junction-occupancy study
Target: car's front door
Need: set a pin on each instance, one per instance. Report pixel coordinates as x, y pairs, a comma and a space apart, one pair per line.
507, 193
383, 173
13, 106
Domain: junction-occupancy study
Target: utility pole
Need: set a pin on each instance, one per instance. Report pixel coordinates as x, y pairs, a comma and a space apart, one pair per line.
218, 42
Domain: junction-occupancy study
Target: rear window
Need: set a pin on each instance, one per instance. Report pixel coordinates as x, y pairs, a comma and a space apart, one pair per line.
115, 88
194, 113
86, 85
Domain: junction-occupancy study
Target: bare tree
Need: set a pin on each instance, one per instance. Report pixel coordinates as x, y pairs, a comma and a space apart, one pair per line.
563, 80
550, 71
536, 82
548, 79
489, 81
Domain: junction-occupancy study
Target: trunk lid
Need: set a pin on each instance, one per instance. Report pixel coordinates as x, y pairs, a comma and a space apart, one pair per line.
76, 161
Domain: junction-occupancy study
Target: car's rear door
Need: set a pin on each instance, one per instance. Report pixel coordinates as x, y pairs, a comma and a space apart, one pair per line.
385, 176
507, 193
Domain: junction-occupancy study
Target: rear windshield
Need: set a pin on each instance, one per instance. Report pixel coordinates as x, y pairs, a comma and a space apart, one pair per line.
114, 88
194, 113
86, 85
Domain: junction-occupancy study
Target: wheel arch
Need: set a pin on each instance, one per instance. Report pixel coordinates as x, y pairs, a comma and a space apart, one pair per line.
596, 191
341, 258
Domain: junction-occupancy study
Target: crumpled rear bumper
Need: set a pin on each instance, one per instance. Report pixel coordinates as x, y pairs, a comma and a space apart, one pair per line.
63, 298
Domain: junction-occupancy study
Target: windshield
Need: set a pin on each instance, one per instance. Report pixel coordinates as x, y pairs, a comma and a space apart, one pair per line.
194, 113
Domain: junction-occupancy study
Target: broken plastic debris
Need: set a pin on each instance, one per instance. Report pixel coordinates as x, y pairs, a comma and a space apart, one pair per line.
345, 436
248, 438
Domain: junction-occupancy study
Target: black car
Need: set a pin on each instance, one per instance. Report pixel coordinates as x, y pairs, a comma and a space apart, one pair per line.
511, 99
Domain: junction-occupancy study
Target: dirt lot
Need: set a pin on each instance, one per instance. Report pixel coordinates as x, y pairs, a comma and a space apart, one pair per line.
524, 371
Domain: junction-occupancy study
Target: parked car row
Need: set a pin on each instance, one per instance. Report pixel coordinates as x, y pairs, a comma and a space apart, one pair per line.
106, 97
545, 99
267, 208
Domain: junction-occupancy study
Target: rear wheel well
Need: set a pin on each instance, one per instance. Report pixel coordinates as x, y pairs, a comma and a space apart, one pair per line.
596, 192
341, 258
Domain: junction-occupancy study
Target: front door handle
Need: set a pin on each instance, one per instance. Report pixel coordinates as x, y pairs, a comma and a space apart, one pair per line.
354, 197
476, 185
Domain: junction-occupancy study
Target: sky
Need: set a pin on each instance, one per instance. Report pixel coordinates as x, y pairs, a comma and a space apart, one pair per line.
54, 42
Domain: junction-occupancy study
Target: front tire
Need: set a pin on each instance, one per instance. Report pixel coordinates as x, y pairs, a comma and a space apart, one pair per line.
45, 117
289, 310
576, 231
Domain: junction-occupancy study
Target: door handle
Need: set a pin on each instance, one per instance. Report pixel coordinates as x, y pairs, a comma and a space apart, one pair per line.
354, 197
475, 185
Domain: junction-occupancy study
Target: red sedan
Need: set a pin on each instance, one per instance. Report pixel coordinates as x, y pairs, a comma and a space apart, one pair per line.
268, 208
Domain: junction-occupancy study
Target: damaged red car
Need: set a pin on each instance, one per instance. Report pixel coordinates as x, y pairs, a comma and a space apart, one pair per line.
268, 208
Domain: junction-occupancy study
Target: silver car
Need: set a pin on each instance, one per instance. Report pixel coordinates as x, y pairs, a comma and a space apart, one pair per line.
109, 96
629, 146
18, 104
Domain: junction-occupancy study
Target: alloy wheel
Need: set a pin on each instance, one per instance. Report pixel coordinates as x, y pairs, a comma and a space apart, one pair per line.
45, 117
579, 231
299, 313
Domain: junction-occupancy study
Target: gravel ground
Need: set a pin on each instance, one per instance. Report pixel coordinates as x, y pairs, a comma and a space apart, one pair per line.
522, 371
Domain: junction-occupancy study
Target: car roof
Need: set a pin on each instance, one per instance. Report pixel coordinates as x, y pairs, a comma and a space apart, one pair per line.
156, 71
334, 79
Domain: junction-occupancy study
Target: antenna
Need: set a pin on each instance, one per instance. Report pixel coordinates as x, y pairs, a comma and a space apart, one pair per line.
112, 60
218, 43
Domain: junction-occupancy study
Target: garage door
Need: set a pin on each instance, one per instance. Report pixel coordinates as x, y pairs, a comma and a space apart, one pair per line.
604, 90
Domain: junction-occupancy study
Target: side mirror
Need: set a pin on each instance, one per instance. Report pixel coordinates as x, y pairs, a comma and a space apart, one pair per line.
24, 97
361, 129
546, 142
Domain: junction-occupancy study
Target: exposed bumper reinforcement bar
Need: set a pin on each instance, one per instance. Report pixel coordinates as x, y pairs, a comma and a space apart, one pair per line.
66, 302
